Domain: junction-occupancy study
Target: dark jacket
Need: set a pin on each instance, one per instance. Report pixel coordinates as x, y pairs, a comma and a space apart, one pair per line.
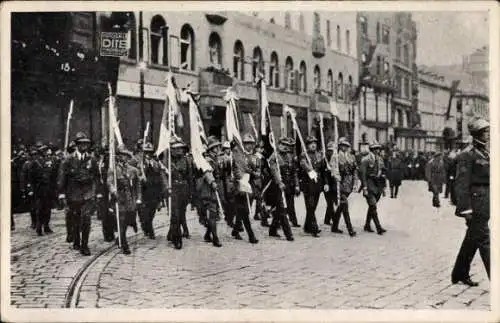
78, 179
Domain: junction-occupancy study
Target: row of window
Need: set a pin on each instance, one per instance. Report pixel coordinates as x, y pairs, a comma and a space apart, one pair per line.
294, 80
339, 38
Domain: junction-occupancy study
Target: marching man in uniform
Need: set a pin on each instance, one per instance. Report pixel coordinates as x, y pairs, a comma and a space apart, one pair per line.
472, 188
154, 189
290, 176
314, 182
372, 171
127, 193
77, 184
211, 185
181, 190
347, 170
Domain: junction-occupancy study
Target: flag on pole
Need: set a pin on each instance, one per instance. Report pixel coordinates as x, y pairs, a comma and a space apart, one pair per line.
197, 136
264, 106
232, 126
114, 122
171, 108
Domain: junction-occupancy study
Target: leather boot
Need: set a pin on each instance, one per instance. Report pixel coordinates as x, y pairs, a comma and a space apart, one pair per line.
392, 192
85, 239
336, 220
380, 230
348, 224
368, 227
208, 235
215, 238
396, 192
236, 235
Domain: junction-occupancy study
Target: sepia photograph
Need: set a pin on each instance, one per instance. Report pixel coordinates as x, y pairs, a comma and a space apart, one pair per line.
213, 157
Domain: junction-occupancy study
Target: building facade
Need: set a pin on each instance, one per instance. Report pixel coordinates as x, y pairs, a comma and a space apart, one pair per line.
209, 51
433, 99
376, 37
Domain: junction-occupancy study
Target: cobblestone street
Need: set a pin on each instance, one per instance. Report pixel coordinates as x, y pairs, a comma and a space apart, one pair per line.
408, 267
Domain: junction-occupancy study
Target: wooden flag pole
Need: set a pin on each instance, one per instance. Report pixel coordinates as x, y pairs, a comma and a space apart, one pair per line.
66, 136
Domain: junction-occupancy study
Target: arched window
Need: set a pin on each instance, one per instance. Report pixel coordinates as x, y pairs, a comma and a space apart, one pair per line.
339, 40
303, 77
132, 36
159, 42
329, 82
187, 48
340, 86
288, 21
317, 78
348, 41
239, 61
289, 73
378, 32
257, 62
406, 54
350, 87
301, 23
398, 48
274, 73
215, 50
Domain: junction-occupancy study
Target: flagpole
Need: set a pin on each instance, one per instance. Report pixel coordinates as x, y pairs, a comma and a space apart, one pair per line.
66, 136
297, 131
323, 147
276, 157
336, 155
112, 161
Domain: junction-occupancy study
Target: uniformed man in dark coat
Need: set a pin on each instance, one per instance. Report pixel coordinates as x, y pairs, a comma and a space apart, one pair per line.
330, 196
210, 187
154, 190
276, 197
125, 189
181, 191
314, 182
27, 191
108, 219
226, 162
68, 218
242, 175
372, 173
41, 185
256, 179
395, 172
451, 170
290, 176
77, 185
472, 186
347, 174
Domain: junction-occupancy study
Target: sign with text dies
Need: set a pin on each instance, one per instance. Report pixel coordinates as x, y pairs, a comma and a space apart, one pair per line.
114, 44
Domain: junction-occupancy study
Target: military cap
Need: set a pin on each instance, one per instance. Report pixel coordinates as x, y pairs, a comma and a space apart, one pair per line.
248, 138
477, 125
344, 142
331, 145
81, 137
212, 142
177, 143
42, 148
291, 141
311, 139
226, 145
38, 144
375, 145
148, 147
122, 150
34, 151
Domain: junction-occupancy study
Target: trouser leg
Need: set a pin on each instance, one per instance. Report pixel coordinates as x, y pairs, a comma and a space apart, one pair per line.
86, 217
76, 213
184, 225
329, 198
465, 255
311, 225
175, 223
275, 223
336, 217
392, 189
212, 228
290, 204
285, 225
396, 189
347, 217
